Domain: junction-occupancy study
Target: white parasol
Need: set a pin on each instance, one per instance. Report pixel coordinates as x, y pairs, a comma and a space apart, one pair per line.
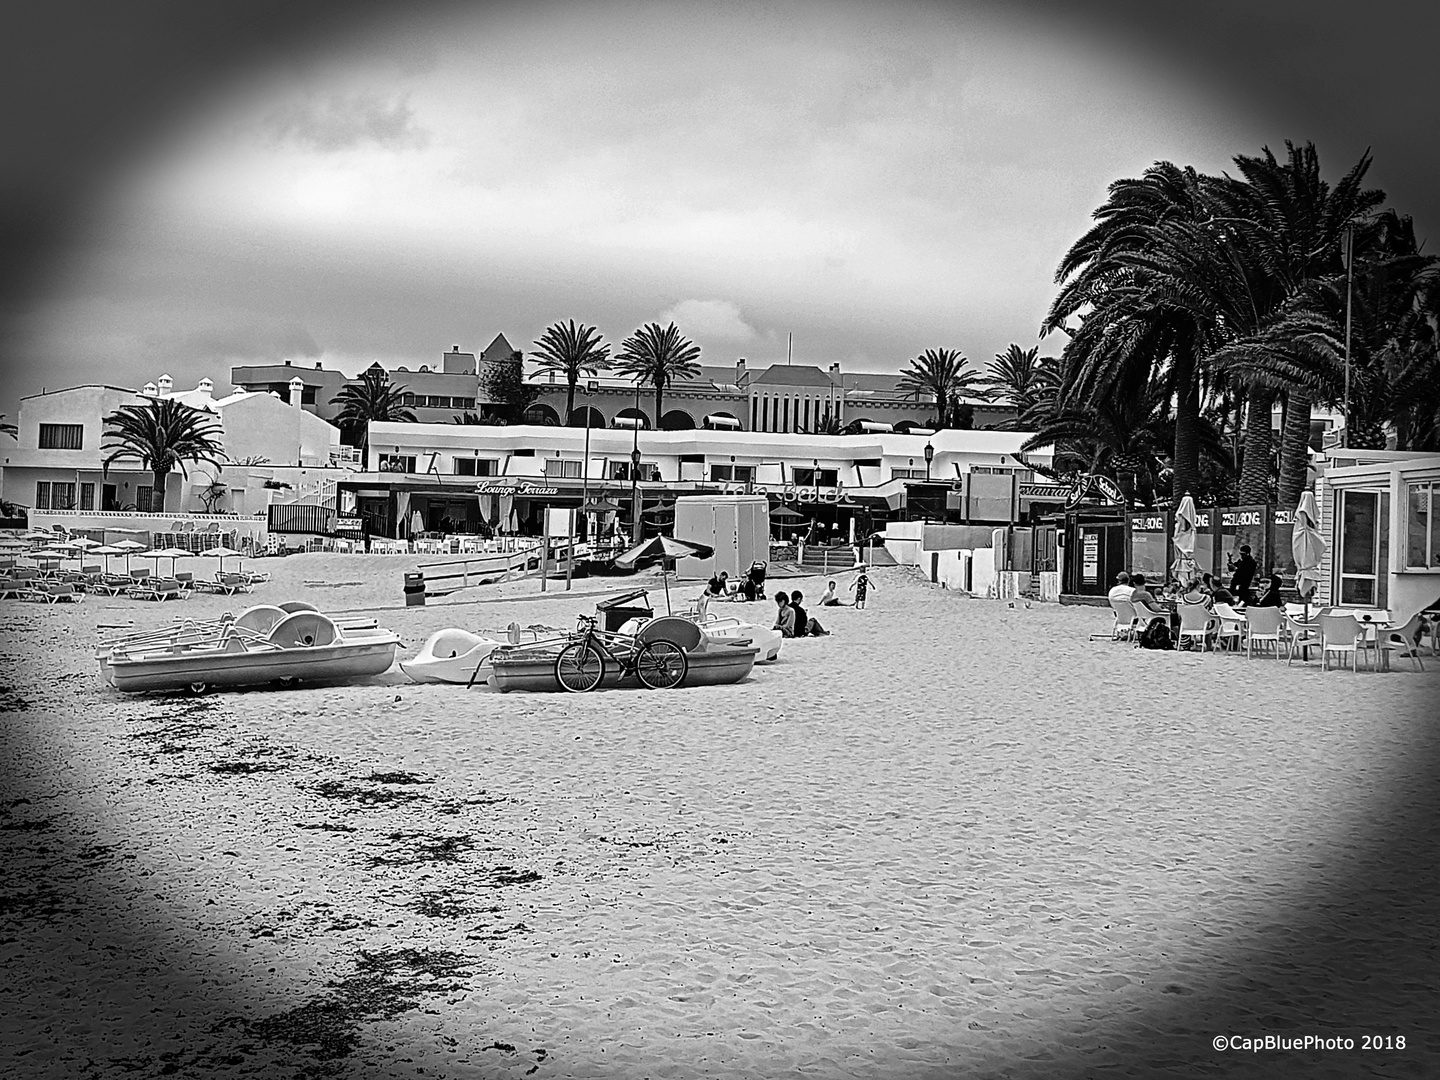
171, 553
222, 553
1184, 566
128, 548
1307, 545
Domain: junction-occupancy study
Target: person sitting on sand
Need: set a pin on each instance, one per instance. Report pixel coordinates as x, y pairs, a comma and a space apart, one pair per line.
860, 586
1123, 589
828, 597
805, 626
784, 616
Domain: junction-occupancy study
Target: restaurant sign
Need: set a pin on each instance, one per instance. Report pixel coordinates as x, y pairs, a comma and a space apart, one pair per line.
791, 492
1045, 491
515, 489
345, 524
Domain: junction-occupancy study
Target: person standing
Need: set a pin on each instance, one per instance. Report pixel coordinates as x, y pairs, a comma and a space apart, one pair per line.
860, 586
1242, 575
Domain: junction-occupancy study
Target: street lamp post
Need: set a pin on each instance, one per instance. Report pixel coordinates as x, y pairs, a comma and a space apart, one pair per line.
929, 457
635, 469
590, 387
1349, 263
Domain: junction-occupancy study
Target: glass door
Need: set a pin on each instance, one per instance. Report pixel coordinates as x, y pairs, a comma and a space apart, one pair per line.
1364, 555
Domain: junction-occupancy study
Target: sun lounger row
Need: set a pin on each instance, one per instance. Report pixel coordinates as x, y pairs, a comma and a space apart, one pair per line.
41, 590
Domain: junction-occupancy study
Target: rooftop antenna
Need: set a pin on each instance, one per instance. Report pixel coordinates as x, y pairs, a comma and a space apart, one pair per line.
789, 338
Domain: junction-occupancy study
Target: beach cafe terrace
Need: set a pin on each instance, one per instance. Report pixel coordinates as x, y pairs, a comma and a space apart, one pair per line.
452, 478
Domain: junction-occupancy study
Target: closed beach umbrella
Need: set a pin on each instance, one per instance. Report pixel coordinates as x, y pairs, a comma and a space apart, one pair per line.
1184, 539
1307, 545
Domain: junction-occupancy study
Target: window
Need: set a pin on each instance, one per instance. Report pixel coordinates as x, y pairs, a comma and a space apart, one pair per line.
755, 413
785, 426
87, 496
62, 496
144, 498
396, 463
462, 403
436, 401
620, 470
465, 466
740, 474
814, 477
765, 414
1364, 554
62, 436
1422, 530
307, 395
561, 468
42, 495
408, 400
807, 414
1026, 475
907, 474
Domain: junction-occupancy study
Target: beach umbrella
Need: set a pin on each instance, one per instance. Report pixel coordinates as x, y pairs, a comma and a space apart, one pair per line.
128, 548
222, 553
107, 550
84, 543
1184, 539
664, 547
171, 553
1307, 545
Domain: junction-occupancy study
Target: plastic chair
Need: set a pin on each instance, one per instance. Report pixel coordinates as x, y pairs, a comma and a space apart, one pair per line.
1262, 624
1404, 640
1339, 634
1124, 628
1196, 620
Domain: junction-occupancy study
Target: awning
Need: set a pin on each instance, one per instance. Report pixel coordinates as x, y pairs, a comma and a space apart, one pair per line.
726, 422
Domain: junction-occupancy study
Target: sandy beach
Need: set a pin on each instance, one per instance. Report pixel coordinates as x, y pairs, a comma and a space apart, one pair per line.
953, 839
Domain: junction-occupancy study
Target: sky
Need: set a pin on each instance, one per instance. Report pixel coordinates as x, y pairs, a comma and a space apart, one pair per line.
190, 186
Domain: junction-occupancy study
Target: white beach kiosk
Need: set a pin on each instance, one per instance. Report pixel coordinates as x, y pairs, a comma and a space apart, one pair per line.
736, 526
1384, 520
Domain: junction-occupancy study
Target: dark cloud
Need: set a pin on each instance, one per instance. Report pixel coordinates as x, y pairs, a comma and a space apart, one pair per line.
342, 123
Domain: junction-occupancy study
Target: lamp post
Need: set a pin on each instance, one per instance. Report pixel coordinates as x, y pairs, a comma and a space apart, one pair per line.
1349, 263
635, 469
591, 386
929, 457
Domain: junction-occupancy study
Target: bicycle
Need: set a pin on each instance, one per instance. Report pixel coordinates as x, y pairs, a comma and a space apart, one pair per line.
581, 665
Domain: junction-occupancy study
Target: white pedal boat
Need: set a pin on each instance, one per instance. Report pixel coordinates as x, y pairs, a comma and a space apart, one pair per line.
265, 645
453, 655
728, 630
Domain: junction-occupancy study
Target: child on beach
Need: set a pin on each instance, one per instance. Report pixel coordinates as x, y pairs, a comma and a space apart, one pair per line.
784, 616
860, 586
828, 597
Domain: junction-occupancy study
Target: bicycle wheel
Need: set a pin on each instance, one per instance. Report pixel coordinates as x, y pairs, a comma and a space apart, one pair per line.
661, 665
579, 667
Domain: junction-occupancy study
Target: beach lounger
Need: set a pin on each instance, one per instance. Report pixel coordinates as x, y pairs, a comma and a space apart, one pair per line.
58, 592
13, 588
229, 584
160, 590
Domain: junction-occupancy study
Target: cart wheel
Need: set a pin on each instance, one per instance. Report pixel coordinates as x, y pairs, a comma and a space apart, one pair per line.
661, 665
579, 667
198, 688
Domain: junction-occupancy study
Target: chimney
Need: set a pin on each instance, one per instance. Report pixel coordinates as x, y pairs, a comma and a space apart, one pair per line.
317, 365
742, 377
835, 371
287, 363
149, 389
454, 348
297, 388
206, 387
166, 384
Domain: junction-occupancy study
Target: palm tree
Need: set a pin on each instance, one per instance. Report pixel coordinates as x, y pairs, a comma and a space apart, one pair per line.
943, 374
658, 357
571, 351
163, 434
1018, 378
7, 428
370, 399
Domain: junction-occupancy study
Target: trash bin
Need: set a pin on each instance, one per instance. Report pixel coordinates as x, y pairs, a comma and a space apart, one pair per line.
415, 589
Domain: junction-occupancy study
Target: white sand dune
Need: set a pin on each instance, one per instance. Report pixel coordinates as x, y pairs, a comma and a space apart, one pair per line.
954, 838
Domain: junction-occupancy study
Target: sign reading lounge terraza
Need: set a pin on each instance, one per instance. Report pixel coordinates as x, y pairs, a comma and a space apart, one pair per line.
515, 489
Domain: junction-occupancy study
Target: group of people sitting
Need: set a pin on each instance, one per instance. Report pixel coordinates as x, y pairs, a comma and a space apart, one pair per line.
1203, 590
791, 618
751, 587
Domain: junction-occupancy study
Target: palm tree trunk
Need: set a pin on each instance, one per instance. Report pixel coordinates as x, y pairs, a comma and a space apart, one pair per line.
1255, 467
659, 397
1294, 449
157, 492
1185, 459
569, 400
